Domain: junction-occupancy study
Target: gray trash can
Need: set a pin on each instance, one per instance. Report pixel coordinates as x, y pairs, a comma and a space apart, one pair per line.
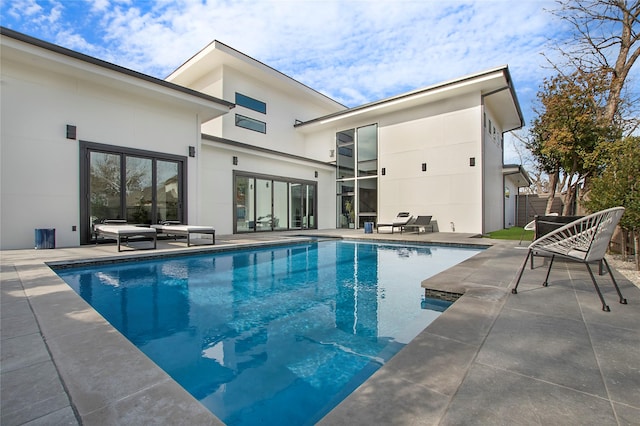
368, 227
45, 238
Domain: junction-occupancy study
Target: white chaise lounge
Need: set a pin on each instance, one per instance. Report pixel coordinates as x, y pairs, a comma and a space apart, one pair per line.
121, 232
177, 229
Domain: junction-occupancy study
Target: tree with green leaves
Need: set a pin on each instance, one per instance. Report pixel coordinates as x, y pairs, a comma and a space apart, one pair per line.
618, 184
570, 125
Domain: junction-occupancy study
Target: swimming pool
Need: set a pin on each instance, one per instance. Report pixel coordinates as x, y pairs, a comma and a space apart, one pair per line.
273, 335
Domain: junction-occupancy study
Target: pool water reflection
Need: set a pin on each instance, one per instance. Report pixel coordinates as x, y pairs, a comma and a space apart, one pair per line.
277, 335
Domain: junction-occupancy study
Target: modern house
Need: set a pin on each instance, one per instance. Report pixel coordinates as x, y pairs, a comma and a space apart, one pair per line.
228, 141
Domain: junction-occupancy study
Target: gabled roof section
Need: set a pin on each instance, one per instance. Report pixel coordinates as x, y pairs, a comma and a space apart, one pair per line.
494, 85
217, 54
19, 47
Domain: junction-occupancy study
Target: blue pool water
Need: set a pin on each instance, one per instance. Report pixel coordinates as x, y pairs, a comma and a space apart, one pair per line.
276, 335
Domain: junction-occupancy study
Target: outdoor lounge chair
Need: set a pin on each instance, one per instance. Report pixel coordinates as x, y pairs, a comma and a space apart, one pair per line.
584, 240
177, 229
121, 232
418, 223
401, 219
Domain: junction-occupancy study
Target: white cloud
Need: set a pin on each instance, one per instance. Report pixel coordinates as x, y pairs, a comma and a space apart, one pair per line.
353, 51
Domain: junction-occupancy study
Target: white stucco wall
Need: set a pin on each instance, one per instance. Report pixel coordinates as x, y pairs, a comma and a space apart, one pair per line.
217, 198
445, 135
493, 177
510, 202
285, 104
40, 167
450, 190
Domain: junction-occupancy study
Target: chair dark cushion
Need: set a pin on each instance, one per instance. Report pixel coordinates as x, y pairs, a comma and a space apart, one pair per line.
546, 224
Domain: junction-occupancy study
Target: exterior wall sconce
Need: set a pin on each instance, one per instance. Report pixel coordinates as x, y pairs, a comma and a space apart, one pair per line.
383, 171
71, 131
424, 167
235, 160
315, 173
472, 161
192, 151
332, 153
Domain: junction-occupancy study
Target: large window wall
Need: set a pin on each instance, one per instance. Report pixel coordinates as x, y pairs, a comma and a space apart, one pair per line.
270, 203
357, 176
141, 187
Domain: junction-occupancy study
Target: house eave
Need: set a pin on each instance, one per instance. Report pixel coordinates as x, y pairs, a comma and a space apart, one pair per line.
24, 48
487, 82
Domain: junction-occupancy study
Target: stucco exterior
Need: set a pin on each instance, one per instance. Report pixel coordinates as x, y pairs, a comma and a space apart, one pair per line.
44, 91
439, 149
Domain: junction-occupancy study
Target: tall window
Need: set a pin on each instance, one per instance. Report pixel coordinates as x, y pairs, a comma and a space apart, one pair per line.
267, 203
139, 186
356, 179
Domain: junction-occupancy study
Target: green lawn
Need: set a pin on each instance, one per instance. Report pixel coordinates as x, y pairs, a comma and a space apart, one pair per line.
513, 233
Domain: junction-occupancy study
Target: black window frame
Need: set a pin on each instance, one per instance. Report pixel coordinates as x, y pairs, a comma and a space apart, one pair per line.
87, 147
239, 118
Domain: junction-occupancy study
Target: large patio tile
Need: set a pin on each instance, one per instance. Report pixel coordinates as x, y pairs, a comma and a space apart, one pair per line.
22, 351
627, 416
30, 393
618, 353
470, 318
434, 362
492, 396
557, 301
553, 349
386, 399
14, 307
21, 323
149, 406
65, 312
623, 316
98, 372
63, 417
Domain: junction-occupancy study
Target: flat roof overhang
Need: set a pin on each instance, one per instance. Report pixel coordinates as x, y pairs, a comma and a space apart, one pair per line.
517, 174
37, 53
494, 85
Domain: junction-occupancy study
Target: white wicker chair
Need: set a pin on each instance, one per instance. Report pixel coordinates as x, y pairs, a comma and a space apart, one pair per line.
584, 240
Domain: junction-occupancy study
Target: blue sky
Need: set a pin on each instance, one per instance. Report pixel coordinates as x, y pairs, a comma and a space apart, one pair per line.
353, 51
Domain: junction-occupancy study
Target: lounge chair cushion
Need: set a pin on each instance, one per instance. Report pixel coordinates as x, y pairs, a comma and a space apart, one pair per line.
175, 228
118, 232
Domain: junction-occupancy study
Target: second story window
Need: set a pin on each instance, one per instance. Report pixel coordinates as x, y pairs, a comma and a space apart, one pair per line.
251, 124
252, 104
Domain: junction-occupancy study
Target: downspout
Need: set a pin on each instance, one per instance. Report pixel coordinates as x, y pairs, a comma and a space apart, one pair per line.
482, 162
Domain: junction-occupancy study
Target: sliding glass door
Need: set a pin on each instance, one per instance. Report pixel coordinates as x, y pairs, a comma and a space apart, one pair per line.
138, 186
273, 203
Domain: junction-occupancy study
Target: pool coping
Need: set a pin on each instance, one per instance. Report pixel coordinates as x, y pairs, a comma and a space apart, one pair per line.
103, 378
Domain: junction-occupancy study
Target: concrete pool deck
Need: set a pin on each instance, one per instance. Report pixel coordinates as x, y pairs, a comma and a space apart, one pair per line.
544, 356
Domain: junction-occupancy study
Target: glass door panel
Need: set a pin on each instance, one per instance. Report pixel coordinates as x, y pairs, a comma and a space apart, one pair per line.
367, 200
280, 205
138, 189
295, 203
264, 216
104, 187
346, 204
311, 207
244, 204
167, 191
